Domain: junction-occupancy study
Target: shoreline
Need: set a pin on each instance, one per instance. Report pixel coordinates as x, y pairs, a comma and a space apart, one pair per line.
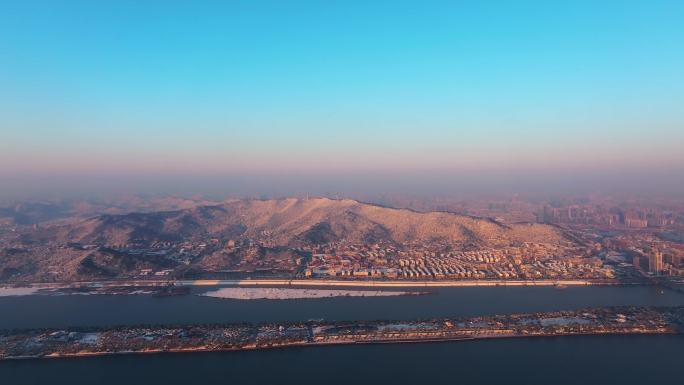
299, 345
144, 339
317, 283
395, 283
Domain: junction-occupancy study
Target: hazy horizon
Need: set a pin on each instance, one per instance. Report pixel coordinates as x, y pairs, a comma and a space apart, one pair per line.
663, 183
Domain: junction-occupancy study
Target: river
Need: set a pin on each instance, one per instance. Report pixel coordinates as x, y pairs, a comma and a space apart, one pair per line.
615, 359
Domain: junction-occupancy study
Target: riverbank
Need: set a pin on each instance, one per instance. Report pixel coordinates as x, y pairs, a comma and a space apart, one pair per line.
207, 349
328, 344
571, 361
84, 342
31, 288
395, 283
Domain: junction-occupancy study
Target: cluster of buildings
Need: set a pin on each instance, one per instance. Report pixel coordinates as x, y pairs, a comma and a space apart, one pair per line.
530, 261
655, 262
505, 264
182, 252
648, 253
215, 255
599, 215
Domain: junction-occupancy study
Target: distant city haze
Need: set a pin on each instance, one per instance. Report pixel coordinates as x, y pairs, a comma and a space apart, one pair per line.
371, 186
349, 98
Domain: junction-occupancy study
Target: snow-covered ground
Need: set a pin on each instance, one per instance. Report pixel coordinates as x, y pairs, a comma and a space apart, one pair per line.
288, 293
16, 291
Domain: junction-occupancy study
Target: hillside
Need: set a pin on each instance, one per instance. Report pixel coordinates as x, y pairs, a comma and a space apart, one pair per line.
289, 221
104, 246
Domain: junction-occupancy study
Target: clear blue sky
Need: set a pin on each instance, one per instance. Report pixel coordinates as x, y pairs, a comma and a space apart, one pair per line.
247, 86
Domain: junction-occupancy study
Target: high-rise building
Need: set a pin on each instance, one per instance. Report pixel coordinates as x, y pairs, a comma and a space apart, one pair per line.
655, 261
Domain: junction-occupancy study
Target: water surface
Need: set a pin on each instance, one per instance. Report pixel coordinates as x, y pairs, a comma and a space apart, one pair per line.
604, 360
106, 310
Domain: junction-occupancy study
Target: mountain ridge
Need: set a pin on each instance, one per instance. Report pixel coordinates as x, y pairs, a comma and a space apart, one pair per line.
287, 220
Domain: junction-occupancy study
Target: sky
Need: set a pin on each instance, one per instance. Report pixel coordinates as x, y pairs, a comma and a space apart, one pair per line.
132, 91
